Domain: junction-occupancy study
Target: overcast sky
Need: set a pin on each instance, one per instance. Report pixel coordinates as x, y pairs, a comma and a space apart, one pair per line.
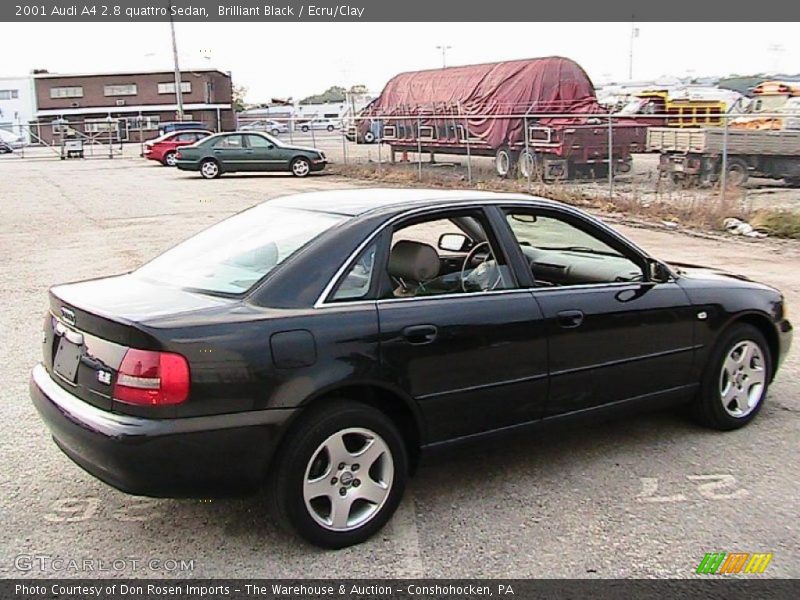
299, 59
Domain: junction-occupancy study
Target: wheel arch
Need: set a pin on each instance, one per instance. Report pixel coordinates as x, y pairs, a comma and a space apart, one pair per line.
401, 409
764, 324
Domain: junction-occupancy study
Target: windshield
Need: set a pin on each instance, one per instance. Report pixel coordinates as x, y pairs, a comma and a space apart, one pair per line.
232, 256
632, 107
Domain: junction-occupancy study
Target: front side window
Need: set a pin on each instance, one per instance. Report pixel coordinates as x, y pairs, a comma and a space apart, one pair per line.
559, 253
257, 141
445, 255
232, 256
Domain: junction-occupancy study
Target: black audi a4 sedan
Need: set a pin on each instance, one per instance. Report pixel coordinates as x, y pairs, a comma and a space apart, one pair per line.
319, 344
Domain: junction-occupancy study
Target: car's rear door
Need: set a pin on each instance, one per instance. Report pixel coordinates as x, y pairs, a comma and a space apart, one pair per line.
612, 334
473, 361
231, 152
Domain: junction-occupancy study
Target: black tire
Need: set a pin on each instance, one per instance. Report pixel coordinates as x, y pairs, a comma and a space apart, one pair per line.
169, 156
738, 172
505, 162
369, 137
304, 129
792, 181
275, 132
529, 166
330, 127
207, 172
708, 408
302, 446
300, 166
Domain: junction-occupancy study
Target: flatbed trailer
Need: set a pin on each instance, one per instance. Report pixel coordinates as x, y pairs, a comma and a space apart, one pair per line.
550, 153
695, 156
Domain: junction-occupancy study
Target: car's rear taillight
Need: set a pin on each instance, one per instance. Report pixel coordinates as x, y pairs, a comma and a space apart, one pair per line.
152, 378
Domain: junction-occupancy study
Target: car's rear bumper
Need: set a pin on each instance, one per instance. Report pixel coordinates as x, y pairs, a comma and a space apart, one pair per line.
188, 165
194, 456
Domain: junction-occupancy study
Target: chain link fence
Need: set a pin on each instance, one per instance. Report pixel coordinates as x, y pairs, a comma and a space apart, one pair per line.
720, 163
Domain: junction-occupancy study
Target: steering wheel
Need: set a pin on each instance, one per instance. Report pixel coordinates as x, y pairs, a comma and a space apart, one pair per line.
481, 271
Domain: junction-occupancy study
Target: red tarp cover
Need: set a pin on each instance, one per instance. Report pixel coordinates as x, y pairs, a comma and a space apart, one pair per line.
552, 85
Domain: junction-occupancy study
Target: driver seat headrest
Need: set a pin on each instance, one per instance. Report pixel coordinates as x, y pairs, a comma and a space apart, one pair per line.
413, 261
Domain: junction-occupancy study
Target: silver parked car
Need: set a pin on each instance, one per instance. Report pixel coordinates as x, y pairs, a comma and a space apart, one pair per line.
319, 125
266, 125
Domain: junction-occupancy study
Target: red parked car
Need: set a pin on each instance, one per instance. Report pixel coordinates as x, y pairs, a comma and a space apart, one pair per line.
163, 148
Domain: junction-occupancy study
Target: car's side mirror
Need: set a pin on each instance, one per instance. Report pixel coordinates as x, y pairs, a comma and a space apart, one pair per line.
659, 272
454, 242
270, 147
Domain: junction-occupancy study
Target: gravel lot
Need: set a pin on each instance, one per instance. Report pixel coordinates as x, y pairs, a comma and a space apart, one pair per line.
645, 497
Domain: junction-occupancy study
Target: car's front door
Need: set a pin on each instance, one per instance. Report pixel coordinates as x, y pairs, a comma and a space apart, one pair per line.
264, 155
231, 152
613, 333
460, 337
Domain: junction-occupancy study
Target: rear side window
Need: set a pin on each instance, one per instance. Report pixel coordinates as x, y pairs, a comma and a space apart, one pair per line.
356, 284
230, 141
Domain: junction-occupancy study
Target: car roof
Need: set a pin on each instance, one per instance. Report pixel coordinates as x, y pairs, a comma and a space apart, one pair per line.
354, 202
182, 131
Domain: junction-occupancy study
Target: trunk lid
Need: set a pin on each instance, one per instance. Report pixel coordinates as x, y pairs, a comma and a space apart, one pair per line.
92, 324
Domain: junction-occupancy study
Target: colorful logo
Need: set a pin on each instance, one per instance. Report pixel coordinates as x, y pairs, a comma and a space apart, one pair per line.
720, 563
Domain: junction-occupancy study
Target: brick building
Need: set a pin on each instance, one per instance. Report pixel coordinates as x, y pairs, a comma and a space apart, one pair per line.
130, 106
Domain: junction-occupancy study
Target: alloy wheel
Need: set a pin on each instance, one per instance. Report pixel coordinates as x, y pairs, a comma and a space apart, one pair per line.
209, 169
742, 379
300, 168
348, 479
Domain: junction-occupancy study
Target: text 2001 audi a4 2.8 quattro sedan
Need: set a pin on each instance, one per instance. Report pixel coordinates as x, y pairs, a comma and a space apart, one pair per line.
320, 343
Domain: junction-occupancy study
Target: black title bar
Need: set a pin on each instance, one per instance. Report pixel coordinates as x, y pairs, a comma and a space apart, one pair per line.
399, 11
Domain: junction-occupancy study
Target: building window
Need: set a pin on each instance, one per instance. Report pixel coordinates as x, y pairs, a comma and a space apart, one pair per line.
66, 92
100, 125
127, 89
169, 88
144, 123
9, 94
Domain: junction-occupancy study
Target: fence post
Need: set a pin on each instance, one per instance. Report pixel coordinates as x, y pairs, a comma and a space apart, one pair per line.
419, 149
723, 177
379, 140
610, 158
528, 156
344, 141
469, 152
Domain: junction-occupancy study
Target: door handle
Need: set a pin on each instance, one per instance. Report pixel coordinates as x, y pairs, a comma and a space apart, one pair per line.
420, 334
569, 319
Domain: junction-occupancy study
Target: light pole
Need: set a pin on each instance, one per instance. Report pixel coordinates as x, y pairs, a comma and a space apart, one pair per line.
444, 50
178, 90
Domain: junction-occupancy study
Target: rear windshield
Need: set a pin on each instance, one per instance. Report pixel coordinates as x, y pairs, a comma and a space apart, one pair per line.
230, 257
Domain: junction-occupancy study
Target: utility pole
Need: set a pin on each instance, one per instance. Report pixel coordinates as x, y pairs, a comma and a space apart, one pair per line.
178, 89
444, 50
634, 34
